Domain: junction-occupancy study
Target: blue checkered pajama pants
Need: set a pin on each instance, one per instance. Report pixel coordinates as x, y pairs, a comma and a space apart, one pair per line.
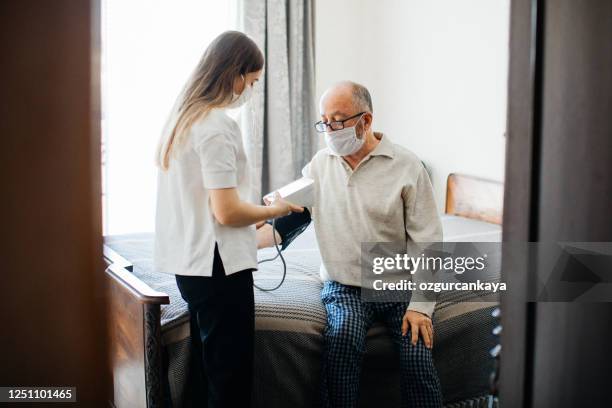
348, 321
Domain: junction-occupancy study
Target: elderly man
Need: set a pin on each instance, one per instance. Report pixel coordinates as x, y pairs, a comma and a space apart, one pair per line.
368, 189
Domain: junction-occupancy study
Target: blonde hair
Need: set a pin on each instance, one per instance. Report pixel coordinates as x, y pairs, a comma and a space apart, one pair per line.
211, 85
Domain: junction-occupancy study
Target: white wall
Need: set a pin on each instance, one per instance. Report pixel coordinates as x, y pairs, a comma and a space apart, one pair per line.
437, 71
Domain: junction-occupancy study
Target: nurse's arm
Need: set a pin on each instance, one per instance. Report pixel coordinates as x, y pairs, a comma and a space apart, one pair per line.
228, 209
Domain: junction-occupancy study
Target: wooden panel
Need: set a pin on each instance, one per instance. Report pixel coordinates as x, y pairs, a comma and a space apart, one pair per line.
134, 336
571, 353
521, 193
557, 189
121, 269
474, 197
52, 308
140, 291
153, 356
126, 346
577, 122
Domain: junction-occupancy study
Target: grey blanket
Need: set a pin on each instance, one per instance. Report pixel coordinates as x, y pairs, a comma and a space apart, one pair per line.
290, 322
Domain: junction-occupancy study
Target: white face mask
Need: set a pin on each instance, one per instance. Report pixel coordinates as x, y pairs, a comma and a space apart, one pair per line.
344, 142
239, 100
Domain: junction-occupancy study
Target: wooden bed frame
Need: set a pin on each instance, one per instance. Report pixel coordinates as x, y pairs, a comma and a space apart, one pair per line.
134, 330
135, 344
474, 197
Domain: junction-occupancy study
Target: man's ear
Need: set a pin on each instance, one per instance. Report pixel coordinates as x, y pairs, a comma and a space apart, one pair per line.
367, 121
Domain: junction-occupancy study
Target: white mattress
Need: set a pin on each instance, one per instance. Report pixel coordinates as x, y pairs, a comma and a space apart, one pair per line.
461, 229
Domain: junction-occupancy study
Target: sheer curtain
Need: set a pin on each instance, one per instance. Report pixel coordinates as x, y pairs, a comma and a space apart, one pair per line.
149, 48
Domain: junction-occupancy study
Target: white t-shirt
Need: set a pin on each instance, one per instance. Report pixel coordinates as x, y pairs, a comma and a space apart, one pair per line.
211, 157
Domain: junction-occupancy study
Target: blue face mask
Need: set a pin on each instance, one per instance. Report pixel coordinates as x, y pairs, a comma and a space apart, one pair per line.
344, 142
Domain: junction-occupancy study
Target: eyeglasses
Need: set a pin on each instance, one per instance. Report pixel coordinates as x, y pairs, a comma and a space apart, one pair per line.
321, 126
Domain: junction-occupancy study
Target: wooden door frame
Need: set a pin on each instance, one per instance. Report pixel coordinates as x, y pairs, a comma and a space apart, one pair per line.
521, 197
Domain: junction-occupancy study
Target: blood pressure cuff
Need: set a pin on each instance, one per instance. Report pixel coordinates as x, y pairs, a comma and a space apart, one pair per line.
290, 226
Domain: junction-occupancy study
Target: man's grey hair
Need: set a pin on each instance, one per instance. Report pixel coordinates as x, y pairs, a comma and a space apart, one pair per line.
362, 97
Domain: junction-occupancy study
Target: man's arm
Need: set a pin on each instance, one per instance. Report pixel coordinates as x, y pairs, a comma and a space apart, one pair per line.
287, 229
264, 236
422, 224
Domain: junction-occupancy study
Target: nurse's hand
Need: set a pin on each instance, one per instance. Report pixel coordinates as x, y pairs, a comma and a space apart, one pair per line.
283, 206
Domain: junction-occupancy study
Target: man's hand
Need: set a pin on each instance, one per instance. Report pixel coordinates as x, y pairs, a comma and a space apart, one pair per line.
418, 323
265, 238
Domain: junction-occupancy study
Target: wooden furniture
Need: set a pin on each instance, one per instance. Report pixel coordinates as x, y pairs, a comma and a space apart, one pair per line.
474, 197
134, 330
558, 167
51, 307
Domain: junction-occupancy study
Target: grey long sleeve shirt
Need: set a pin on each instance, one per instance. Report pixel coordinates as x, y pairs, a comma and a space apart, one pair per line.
387, 198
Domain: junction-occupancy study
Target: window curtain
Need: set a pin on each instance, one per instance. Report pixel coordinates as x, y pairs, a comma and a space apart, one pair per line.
278, 128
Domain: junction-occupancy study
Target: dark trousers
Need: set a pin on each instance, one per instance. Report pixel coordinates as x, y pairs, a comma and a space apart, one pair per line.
222, 311
344, 344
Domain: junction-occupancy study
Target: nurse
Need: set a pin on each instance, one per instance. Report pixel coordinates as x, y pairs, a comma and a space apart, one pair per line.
205, 230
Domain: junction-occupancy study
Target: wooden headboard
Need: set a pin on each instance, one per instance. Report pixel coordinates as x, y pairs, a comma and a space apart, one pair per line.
474, 197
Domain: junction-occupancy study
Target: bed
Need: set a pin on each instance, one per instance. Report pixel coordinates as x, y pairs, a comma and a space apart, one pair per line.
149, 323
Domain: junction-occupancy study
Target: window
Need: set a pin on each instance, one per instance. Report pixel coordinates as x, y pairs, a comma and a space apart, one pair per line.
149, 48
